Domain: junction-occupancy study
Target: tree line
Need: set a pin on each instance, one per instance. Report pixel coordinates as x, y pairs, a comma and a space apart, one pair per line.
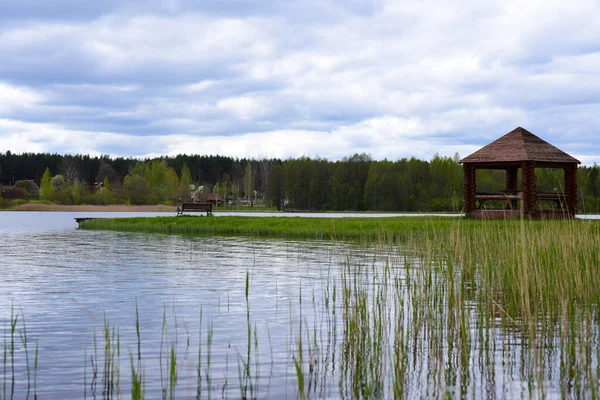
356, 183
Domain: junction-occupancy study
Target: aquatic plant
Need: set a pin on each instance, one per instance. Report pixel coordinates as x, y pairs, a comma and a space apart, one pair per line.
448, 308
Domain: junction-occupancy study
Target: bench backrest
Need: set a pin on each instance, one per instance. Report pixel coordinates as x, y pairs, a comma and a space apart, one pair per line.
196, 207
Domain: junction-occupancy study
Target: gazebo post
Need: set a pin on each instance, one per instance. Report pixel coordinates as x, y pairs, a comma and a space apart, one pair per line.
511, 179
529, 197
470, 187
570, 172
511, 187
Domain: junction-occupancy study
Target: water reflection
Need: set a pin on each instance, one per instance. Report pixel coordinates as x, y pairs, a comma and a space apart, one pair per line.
352, 321
66, 282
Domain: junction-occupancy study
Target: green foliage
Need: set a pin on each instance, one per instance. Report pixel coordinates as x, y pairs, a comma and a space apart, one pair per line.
58, 182
357, 183
139, 169
63, 196
46, 187
79, 192
349, 180
387, 188
108, 195
275, 190
163, 182
136, 190
224, 187
235, 192
184, 183
13, 193
27, 186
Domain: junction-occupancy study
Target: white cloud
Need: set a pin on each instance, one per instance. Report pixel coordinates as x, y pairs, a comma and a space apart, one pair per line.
116, 43
13, 98
245, 107
199, 86
392, 78
21, 137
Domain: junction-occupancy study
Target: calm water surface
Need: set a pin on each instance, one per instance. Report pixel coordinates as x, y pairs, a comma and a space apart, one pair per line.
66, 282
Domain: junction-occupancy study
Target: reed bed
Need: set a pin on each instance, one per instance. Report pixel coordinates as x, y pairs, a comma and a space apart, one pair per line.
501, 309
451, 308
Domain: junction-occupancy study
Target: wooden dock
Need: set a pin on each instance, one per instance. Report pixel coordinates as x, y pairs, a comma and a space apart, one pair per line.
80, 220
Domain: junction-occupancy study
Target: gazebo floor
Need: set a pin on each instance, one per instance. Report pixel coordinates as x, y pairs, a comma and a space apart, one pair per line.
500, 214
494, 214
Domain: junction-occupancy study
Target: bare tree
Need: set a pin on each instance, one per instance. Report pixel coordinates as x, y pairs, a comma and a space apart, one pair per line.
69, 168
106, 170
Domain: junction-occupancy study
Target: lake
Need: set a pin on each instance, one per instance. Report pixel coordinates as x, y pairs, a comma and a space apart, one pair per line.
315, 312
65, 282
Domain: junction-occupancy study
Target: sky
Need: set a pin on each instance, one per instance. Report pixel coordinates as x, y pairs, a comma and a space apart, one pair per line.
293, 78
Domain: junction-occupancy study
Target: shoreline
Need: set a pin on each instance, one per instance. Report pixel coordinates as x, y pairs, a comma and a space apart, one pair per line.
91, 208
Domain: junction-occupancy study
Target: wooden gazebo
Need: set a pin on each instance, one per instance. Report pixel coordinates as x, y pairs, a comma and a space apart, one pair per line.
520, 149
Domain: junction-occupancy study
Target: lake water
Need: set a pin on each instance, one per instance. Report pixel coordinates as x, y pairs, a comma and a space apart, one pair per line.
66, 283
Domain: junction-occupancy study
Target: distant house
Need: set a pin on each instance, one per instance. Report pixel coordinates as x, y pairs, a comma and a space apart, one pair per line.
94, 187
29, 186
35, 189
214, 198
198, 194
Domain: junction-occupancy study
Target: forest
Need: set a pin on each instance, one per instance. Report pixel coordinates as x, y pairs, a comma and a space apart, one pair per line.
355, 183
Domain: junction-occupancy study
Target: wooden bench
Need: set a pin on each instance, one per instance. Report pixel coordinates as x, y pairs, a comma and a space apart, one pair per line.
191, 207
558, 198
510, 199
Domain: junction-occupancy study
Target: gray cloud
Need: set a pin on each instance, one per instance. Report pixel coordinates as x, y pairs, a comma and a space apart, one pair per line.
328, 78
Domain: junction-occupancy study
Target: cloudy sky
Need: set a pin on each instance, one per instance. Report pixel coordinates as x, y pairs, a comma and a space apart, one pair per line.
290, 78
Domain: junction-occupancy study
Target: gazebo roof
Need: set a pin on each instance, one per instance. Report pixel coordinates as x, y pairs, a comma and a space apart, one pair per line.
520, 145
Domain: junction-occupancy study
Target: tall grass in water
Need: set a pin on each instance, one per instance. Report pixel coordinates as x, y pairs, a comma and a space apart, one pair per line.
137, 378
459, 309
476, 311
10, 348
109, 362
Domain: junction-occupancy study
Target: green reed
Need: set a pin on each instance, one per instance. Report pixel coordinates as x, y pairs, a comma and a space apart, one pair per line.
457, 308
533, 282
247, 375
9, 348
137, 378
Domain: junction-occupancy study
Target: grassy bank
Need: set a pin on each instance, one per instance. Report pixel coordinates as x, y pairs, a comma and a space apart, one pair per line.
381, 229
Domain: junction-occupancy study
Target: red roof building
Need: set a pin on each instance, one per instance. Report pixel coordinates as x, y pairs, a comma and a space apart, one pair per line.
214, 198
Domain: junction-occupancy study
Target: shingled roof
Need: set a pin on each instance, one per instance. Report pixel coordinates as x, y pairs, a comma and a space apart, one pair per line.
519, 145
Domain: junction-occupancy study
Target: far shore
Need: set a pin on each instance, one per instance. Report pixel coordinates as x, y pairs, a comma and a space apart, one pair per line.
91, 208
